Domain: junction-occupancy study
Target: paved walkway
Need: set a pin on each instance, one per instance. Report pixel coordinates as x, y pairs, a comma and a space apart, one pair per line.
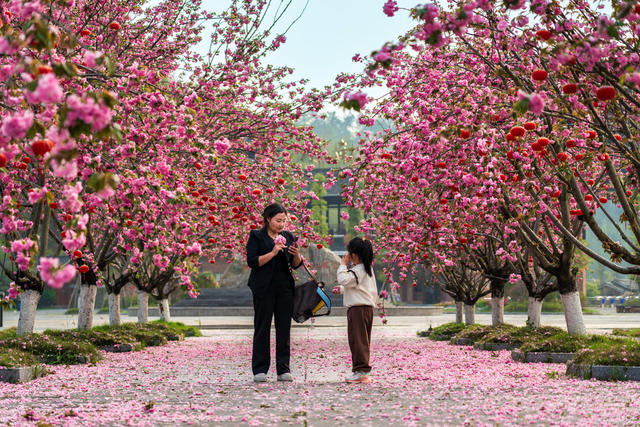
595, 323
207, 381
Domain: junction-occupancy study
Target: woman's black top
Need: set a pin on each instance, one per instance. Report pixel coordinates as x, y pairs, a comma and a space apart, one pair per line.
260, 243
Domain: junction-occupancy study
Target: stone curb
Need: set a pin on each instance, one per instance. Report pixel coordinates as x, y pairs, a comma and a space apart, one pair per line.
490, 346
603, 372
541, 357
461, 341
17, 375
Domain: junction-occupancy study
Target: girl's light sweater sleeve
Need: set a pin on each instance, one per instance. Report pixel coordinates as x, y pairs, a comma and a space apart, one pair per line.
346, 278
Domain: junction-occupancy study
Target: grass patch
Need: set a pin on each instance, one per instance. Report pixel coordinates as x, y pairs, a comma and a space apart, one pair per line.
188, 331
54, 351
562, 342
66, 347
632, 333
477, 332
96, 338
14, 358
509, 334
72, 310
611, 352
8, 333
446, 331
144, 334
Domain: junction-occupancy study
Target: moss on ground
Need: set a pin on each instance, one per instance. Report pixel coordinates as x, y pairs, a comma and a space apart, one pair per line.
66, 347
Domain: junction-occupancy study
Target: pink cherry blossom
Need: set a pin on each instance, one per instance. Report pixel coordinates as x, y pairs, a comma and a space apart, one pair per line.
53, 274
48, 90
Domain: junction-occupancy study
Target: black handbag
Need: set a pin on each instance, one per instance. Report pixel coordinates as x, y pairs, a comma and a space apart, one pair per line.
310, 299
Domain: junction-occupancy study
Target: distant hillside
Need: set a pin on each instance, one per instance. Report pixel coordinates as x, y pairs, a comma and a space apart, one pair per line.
598, 272
340, 128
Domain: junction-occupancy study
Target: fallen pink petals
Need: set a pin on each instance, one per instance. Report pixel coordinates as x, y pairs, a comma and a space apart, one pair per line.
416, 382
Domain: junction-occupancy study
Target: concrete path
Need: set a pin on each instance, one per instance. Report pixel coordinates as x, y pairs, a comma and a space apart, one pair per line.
595, 323
207, 382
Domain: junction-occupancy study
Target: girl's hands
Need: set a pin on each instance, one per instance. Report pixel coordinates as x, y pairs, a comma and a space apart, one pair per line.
345, 259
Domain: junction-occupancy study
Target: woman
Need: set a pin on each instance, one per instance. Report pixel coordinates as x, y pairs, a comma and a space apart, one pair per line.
271, 253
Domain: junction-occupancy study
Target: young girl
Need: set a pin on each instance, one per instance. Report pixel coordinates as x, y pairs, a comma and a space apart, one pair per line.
358, 285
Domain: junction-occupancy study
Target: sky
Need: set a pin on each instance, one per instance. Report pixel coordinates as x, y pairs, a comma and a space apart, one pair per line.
322, 42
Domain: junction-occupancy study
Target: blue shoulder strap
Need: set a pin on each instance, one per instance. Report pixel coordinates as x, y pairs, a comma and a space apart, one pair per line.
324, 297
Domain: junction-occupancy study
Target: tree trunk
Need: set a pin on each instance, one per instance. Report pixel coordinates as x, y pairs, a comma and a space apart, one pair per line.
469, 314
573, 313
86, 306
497, 311
28, 306
143, 307
459, 311
534, 311
114, 310
165, 312
497, 301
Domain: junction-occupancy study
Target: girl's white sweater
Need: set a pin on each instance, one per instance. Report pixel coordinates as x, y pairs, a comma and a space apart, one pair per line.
362, 291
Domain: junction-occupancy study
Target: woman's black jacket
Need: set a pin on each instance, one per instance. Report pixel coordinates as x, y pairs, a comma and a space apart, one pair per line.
260, 244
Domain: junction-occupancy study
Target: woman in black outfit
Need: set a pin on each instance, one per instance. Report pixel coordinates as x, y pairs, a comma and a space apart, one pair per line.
272, 283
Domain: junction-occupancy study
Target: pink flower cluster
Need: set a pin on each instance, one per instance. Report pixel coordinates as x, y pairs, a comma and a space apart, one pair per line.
53, 274
536, 103
222, 145
23, 249
48, 91
160, 261
390, 7
16, 125
13, 291
280, 240
90, 112
360, 97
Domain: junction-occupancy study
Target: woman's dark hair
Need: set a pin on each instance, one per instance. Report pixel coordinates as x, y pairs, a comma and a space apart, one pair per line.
364, 250
271, 211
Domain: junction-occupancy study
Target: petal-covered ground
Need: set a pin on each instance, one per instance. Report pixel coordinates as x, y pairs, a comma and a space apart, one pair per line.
206, 381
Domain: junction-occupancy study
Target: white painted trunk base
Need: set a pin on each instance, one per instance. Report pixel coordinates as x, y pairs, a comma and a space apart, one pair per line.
469, 314
534, 312
86, 306
573, 313
459, 311
143, 307
114, 310
165, 312
28, 305
497, 311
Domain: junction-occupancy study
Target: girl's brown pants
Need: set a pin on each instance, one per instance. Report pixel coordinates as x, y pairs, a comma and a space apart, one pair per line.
359, 322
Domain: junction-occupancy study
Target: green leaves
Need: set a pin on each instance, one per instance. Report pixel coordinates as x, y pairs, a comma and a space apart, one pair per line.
65, 69
521, 106
351, 104
36, 128
99, 181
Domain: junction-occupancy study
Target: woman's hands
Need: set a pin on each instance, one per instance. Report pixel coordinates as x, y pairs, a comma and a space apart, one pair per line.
335, 290
277, 248
294, 250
